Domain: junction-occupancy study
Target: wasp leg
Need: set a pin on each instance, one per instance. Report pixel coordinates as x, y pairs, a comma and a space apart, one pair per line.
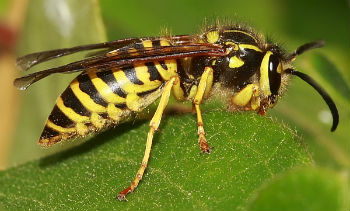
204, 87
247, 99
178, 92
153, 127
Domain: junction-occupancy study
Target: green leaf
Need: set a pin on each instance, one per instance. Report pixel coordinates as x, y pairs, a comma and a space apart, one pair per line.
303, 189
248, 150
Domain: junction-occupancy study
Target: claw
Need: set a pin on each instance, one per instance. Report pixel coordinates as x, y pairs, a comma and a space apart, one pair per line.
122, 195
205, 148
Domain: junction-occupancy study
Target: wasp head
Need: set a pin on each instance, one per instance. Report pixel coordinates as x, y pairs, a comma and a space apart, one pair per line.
258, 72
259, 75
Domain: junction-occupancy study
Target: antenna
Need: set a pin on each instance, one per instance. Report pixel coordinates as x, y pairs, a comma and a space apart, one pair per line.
305, 47
319, 89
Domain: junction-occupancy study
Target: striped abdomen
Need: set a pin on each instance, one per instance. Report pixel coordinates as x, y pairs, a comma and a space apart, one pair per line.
97, 99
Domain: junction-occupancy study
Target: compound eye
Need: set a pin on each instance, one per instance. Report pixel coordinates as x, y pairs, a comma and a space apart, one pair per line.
274, 68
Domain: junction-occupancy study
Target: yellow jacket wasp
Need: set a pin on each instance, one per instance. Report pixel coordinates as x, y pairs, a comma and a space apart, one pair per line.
127, 75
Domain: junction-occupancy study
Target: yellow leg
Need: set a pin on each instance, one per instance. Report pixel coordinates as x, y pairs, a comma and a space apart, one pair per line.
154, 124
203, 89
247, 99
178, 93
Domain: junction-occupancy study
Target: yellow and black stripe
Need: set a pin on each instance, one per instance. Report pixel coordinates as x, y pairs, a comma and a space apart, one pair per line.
98, 98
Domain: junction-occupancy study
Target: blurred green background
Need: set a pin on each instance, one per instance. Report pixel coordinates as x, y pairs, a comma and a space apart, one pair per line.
289, 23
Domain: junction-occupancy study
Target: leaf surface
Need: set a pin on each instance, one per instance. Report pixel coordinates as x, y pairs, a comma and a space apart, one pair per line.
247, 151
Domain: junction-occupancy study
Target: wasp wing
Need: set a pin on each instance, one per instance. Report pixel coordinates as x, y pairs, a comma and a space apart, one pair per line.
175, 40
28, 61
118, 59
